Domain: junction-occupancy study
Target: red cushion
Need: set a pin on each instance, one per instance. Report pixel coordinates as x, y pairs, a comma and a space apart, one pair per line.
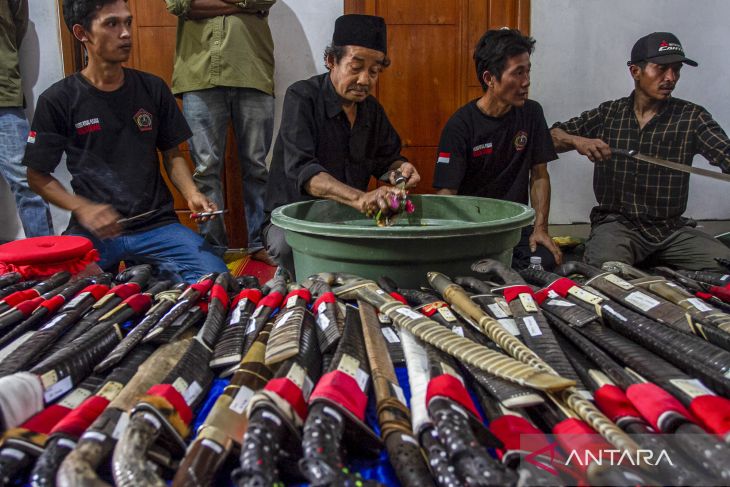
44, 256
40, 250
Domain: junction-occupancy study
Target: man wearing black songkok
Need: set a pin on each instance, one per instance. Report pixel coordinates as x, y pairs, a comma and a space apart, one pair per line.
334, 136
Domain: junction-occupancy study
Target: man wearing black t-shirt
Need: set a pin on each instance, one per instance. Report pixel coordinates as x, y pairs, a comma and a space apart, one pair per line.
110, 121
498, 145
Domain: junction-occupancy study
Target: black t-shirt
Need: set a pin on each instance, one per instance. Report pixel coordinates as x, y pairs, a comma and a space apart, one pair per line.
111, 141
315, 136
491, 157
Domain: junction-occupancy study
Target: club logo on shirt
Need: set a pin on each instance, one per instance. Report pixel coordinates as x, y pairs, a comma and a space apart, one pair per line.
31, 137
444, 158
482, 150
520, 141
143, 119
88, 126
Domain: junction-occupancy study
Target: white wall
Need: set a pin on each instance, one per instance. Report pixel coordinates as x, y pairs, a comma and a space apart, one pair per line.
580, 61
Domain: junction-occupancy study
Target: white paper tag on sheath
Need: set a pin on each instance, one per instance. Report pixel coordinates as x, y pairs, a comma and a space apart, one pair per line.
510, 325
384, 319
458, 330
251, 326
58, 389
292, 301
390, 334
699, 304
180, 385
282, 319
192, 392
447, 314
528, 303
121, 425
532, 327
235, 315
725, 277
584, 295
257, 312
322, 321
322, 307
497, 311
642, 301
240, 400
692, 387
614, 279
362, 379
76, 397
409, 313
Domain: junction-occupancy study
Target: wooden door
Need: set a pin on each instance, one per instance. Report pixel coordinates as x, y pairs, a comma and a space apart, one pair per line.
154, 32
431, 44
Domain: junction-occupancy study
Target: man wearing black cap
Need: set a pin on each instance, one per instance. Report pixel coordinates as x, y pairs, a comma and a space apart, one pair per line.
640, 206
334, 136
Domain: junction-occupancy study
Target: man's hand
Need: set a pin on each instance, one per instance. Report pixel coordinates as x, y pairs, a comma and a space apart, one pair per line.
540, 236
99, 219
379, 199
199, 203
409, 172
593, 149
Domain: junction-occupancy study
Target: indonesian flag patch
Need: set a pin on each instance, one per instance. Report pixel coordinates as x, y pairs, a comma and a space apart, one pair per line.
31, 137
444, 158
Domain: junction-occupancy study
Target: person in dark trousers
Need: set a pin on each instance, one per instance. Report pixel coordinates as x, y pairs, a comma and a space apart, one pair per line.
498, 145
224, 72
638, 219
334, 136
110, 121
34, 212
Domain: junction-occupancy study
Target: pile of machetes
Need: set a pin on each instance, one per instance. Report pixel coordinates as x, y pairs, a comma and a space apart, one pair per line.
588, 376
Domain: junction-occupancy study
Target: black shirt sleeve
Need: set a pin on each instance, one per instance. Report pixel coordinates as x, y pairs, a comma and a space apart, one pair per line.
298, 135
174, 129
451, 159
389, 144
48, 135
542, 148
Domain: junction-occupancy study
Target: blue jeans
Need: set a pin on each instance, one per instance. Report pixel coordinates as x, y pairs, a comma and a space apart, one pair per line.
33, 210
177, 252
252, 113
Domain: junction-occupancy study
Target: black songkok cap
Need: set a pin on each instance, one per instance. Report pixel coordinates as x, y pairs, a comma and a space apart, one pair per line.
361, 30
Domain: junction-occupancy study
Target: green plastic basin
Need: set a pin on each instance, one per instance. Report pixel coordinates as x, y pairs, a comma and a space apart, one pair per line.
445, 233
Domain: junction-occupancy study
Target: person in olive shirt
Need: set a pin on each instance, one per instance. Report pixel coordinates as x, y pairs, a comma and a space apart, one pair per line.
334, 136
224, 71
33, 210
638, 219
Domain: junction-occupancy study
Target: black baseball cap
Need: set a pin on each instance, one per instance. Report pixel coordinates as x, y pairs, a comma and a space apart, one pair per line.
659, 48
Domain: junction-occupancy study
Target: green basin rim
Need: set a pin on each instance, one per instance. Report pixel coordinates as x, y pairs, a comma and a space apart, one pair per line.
522, 216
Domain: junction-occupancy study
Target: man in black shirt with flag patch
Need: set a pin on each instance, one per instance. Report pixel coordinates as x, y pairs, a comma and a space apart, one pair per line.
498, 145
639, 214
110, 121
